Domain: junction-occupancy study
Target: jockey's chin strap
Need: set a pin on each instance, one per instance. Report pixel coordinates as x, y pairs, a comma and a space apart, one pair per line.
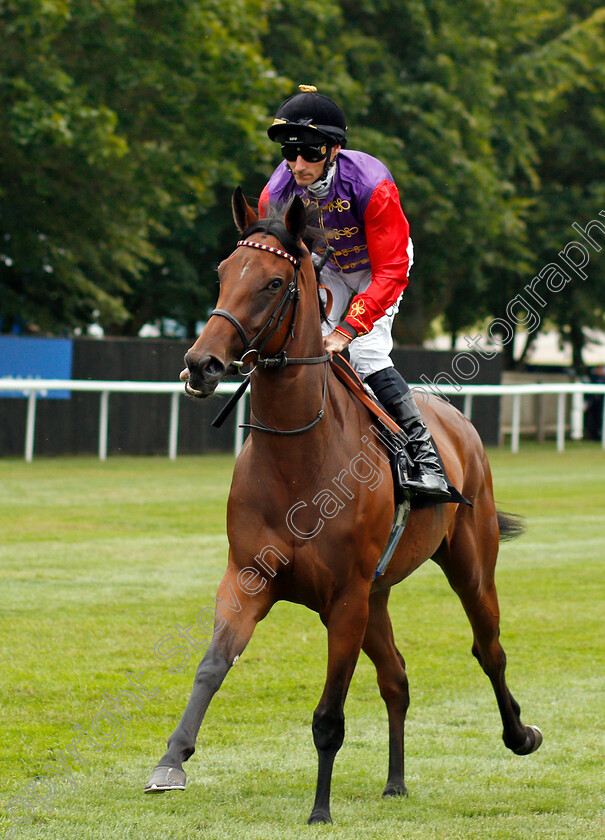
289, 300
279, 360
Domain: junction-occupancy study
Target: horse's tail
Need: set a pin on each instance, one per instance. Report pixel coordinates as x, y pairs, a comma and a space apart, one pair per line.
511, 525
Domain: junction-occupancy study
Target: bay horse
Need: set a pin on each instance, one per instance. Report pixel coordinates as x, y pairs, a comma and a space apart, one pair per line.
312, 503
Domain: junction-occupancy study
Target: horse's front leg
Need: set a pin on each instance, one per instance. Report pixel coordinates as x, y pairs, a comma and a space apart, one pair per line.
237, 614
346, 623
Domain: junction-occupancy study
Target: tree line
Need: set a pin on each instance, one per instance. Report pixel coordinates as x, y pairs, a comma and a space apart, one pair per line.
126, 124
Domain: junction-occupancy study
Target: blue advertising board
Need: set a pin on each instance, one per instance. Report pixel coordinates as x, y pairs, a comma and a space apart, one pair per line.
36, 358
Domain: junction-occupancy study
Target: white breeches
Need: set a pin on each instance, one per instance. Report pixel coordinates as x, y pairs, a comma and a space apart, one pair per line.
368, 353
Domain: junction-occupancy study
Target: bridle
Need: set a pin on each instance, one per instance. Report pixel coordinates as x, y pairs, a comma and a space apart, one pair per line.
289, 299
288, 302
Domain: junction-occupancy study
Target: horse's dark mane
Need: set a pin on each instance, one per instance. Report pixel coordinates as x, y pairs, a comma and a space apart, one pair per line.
274, 225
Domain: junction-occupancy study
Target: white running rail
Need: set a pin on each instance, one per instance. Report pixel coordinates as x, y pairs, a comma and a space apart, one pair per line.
31, 388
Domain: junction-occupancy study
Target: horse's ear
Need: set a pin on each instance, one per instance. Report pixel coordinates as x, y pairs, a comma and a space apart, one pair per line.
296, 218
243, 214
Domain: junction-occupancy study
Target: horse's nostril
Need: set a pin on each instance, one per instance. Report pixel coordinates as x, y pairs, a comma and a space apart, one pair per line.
202, 372
214, 368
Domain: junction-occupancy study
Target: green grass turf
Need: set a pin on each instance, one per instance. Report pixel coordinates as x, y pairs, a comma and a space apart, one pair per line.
100, 560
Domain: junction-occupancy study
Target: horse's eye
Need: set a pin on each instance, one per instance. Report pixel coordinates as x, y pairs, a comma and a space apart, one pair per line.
275, 284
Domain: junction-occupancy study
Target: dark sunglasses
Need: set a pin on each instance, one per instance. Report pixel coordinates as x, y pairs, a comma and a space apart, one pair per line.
312, 154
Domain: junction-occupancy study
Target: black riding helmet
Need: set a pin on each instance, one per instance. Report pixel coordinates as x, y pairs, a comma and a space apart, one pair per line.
309, 117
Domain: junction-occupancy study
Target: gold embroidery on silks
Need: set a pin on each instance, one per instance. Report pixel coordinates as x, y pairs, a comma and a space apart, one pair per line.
358, 307
356, 249
339, 204
348, 232
355, 264
327, 236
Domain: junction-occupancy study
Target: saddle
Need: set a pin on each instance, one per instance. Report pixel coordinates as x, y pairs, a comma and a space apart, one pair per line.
390, 429
404, 501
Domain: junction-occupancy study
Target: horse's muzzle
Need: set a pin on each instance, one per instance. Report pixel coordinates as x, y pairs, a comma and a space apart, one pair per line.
202, 376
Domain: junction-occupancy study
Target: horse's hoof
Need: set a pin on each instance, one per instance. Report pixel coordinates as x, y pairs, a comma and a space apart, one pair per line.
538, 738
394, 790
319, 816
166, 778
532, 741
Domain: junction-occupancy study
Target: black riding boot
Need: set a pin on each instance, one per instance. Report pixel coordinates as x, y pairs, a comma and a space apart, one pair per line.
427, 478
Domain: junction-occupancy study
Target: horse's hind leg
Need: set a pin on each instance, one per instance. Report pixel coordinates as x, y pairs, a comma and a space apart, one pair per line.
379, 645
469, 566
237, 614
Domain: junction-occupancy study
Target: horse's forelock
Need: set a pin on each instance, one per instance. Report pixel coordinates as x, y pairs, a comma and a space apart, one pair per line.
276, 227
273, 225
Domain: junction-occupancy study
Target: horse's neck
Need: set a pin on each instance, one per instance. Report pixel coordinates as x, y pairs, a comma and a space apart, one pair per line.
291, 398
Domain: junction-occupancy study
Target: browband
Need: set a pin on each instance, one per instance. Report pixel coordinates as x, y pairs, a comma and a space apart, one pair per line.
261, 245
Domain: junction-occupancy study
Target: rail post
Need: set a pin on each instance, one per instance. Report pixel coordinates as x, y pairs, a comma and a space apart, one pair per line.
516, 423
30, 429
103, 424
561, 400
173, 434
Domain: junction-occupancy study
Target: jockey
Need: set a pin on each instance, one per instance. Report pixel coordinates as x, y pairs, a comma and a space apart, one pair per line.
357, 205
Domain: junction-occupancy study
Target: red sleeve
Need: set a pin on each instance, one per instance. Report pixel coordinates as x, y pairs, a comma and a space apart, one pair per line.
263, 203
388, 235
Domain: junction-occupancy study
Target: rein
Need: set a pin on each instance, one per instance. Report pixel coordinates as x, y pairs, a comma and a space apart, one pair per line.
260, 426
279, 360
